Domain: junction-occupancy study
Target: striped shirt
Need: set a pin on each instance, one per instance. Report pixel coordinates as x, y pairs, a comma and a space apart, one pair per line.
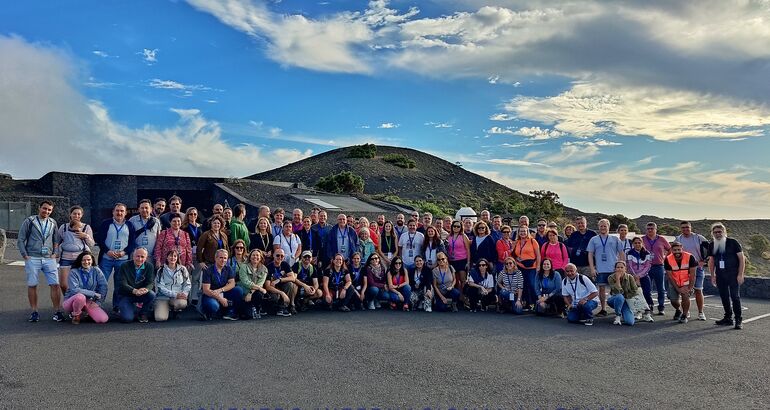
510, 282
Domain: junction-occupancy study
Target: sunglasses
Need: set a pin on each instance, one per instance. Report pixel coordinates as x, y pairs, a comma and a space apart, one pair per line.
508, 263
482, 264
306, 257
375, 259
397, 263
442, 259
542, 226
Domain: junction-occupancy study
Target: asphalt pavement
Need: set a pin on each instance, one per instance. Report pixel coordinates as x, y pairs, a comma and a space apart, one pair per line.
379, 359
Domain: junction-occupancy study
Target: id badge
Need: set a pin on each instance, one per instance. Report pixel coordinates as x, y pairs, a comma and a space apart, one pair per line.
512, 297
145, 240
721, 264
117, 246
358, 288
195, 250
604, 257
46, 251
577, 252
343, 249
338, 295
390, 255
411, 253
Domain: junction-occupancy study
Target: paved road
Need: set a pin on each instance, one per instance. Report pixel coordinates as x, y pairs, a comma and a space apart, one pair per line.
378, 359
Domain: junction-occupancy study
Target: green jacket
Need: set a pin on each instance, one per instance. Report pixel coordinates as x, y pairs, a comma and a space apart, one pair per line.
238, 230
248, 278
627, 286
127, 275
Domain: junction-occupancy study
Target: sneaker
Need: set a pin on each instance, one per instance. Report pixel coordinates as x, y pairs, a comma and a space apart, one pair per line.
405, 307
683, 319
617, 321
59, 317
428, 307
677, 314
143, 319
638, 316
230, 316
660, 312
701, 316
454, 307
727, 321
254, 313
310, 303
75, 319
370, 306
738, 324
647, 317
293, 310
589, 322
344, 309
602, 313
262, 312
283, 312
377, 304
34, 317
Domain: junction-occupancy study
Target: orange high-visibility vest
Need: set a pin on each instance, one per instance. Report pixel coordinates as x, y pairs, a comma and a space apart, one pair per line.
680, 274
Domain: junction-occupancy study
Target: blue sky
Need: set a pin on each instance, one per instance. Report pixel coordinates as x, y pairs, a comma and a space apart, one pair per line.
633, 108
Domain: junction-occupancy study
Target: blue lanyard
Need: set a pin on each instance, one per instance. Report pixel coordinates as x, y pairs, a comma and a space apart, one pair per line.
144, 227
219, 275
233, 264
194, 231
604, 243
117, 230
337, 278
84, 279
343, 236
443, 274
411, 240
290, 242
44, 231
357, 272
176, 239
399, 231
220, 242
310, 239
278, 274
651, 243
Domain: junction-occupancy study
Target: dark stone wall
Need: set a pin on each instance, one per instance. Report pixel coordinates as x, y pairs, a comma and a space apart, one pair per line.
753, 287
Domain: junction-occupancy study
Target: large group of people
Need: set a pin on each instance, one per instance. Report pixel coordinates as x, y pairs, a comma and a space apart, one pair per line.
229, 267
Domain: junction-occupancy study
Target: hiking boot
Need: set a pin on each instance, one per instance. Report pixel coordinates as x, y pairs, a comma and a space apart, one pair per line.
727, 321
34, 317
59, 317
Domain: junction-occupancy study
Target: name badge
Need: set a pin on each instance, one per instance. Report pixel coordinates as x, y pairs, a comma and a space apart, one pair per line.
46, 251
358, 288
411, 253
343, 249
577, 252
117, 246
604, 257
390, 255
145, 240
512, 297
721, 264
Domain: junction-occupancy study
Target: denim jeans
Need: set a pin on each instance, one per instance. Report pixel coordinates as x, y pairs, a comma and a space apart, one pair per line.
618, 302
211, 306
453, 294
128, 310
405, 291
658, 275
530, 278
107, 266
582, 312
505, 300
374, 293
646, 283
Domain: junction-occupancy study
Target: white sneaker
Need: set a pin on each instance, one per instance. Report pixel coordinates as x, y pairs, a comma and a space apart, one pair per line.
617, 321
428, 308
371, 305
647, 317
377, 304
638, 316
701, 316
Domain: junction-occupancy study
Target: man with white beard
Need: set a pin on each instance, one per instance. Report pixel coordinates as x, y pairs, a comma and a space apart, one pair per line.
727, 266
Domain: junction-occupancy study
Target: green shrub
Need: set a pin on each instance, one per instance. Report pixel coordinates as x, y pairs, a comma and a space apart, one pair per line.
400, 160
345, 181
363, 151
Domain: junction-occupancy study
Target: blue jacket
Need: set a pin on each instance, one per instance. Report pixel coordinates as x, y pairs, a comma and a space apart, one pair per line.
351, 242
101, 237
96, 284
486, 250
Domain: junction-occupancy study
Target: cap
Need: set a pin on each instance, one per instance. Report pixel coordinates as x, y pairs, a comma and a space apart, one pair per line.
306, 253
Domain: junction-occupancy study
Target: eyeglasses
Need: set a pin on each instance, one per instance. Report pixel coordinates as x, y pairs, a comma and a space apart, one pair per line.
456, 226
480, 229
375, 258
279, 256
541, 225
442, 259
508, 263
482, 264
306, 257
397, 263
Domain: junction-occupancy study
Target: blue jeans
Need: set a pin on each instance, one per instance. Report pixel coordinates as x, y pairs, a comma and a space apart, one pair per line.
373, 293
582, 312
453, 294
406, 291
211, 306
128, 308
505, 300
658, 275
107, 265
618, 302
529, 295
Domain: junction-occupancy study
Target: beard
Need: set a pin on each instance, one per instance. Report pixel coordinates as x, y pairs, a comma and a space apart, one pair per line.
719, 245
400, 223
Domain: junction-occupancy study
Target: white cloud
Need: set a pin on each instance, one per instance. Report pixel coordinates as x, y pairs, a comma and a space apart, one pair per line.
100, 53
44, 112
501, 131
588, 109
517, 162
502, 117
537, 133
493, 79
150, 56
388, 125
438, 124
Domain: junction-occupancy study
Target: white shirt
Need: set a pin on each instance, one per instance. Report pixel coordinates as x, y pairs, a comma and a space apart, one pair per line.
577, 289
411, 244
289, 245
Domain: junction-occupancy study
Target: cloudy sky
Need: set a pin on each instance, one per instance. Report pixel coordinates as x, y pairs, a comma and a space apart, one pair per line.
636, 107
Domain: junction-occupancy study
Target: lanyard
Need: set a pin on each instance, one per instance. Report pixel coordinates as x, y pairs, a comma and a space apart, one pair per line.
651, 243
357, 272
574, 288
399, 231
411, 240
278, 272
44, 231
342, 235
220, 242
233, 264
84, 279
219, 276
604, 243
265, 241
454, 244
389, 242
144, 227
117, 230
442, 274
176, 238
397, 280
290, 242
521, 247
310, 239
337, 278
303, 272
194, 232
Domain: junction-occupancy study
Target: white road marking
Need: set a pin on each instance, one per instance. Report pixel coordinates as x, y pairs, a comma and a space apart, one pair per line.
16, 263
757, 318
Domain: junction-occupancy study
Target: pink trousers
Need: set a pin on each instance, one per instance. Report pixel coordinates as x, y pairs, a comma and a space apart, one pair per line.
77, 303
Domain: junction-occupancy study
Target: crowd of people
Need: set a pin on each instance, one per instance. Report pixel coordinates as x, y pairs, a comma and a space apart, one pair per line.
230, 267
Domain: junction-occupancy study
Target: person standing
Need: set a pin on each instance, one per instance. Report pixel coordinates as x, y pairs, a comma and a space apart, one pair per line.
727, 265
175, 207
603, 253
75, 238
116, 240
237, 228
37, 243
577, 243
410, 244
146, 227
341, 239
696, 245
658, 247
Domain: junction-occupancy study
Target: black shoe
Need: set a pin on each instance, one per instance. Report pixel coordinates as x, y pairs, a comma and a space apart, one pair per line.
293, 310
602, 313
660, 313
738, 324
724, 322
59, 317
143, 319
283, 312
677, 314
344, 309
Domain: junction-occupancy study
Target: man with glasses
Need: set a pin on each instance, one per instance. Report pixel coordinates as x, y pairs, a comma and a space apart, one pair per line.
580, 296
281, 284
540, 235
410, 244
307, 280
659, 248
727, 266
696, 245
